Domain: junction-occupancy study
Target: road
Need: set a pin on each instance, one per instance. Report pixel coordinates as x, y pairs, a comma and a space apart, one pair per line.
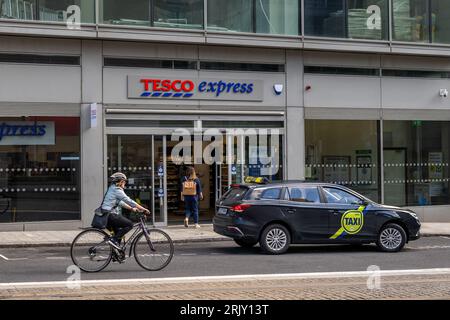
226, 258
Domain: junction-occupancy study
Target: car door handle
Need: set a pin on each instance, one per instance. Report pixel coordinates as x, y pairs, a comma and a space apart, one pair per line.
335, 212
291, 211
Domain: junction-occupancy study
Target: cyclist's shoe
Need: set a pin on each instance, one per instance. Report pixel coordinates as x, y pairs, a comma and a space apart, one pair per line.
118, 256
115, 244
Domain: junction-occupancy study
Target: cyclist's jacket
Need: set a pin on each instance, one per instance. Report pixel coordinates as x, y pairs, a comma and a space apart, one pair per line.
115, 199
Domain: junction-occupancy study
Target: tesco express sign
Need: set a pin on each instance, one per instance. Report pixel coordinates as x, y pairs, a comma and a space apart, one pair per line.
210, 89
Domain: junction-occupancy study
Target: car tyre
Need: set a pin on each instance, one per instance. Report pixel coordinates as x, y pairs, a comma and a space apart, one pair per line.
275, 239
245, 243
391, 238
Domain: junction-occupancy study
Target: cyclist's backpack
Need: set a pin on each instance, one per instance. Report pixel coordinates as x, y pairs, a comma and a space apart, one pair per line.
189, 188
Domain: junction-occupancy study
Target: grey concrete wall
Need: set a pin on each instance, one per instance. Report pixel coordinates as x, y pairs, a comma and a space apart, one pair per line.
91, 138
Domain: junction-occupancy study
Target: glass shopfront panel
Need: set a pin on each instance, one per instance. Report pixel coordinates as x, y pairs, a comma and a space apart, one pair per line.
39, 169
355, 19
231, 15
278, 17
48, 10
416, 162
187, 14
410, 20
344, 152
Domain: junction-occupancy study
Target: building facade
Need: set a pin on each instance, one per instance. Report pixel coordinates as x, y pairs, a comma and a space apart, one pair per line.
350, 92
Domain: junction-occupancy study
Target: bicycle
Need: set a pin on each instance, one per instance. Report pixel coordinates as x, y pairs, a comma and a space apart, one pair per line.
91, 252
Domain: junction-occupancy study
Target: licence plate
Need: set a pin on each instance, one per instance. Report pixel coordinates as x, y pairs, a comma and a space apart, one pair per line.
222, 211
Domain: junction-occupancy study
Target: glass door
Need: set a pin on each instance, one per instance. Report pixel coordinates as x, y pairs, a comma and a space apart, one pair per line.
142, 158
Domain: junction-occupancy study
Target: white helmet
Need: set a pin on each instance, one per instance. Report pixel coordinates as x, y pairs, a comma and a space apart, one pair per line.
118, 176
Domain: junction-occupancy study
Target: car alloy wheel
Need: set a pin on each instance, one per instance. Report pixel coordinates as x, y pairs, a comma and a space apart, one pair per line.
276, 239
391, 238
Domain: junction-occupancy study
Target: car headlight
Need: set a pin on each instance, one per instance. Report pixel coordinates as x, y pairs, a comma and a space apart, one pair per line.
413, 214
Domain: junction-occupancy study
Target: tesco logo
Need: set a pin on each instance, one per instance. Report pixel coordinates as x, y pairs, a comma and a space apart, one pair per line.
166, 88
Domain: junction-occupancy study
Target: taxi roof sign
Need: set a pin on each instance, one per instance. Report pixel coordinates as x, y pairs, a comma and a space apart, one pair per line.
258, 180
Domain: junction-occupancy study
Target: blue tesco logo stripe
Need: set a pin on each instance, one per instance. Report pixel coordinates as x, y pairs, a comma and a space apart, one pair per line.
166, 95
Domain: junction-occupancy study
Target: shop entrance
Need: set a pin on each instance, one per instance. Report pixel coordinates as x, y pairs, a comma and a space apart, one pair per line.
143, 159
145, 153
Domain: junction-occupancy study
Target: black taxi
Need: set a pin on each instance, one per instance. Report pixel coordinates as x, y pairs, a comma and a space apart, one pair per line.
283, 213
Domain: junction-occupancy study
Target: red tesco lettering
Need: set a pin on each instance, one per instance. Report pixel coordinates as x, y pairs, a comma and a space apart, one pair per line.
168, 85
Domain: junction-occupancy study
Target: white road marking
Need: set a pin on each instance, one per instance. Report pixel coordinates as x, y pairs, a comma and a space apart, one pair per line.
250, 277
57, 258
430, 247
12, 259
188, 254
448, 238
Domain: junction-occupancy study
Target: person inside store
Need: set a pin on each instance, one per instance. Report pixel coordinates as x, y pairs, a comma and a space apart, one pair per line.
191, 194
116, 199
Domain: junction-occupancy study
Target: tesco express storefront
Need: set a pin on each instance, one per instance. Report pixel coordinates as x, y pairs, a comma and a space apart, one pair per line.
226, 126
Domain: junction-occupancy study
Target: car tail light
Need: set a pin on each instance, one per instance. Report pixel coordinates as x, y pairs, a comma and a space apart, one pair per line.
240, 207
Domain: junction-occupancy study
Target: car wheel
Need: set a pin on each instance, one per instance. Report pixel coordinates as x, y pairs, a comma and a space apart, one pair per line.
245, 243
392, 238
275, 239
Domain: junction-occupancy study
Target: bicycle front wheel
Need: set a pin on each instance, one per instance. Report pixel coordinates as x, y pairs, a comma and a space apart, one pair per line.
90, 250
153, 250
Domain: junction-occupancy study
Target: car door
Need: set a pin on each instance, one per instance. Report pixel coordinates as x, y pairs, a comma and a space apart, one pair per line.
304, 210
350, 217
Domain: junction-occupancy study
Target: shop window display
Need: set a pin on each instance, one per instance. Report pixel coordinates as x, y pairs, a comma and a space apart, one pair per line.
40, 168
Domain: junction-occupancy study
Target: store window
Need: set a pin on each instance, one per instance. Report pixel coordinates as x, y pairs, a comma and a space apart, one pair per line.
416, 162
187, 14
411, 20
356, 19
344, 152
278, 17
130, 12
440, 10
231, 15
49, 10
39, 169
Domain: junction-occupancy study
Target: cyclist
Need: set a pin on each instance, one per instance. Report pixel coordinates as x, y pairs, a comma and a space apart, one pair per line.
115, 200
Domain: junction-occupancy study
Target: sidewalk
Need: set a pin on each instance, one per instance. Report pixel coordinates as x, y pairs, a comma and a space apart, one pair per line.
179, 234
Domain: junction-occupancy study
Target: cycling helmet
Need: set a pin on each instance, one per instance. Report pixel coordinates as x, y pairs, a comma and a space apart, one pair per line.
118, 176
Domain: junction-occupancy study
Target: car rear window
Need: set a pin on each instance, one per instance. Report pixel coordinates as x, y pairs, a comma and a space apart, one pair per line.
235, 194
265, 193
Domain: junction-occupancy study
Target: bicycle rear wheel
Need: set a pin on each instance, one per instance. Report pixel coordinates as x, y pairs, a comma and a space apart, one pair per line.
154, 252
90, 250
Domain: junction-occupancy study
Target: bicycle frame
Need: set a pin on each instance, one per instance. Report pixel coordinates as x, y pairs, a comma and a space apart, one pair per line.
137, 227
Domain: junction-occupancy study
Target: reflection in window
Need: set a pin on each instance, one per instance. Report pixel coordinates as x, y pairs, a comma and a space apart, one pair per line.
131, 12
40, 168
230, 15
344, 152
187, 14
358, 19
410, 20
441, 20
333, 195
416, 162
46, 10
277, 16
20, 10
304, 194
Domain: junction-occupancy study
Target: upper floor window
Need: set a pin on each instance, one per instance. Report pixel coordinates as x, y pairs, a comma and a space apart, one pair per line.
186, 14
260, 16
410, 20
355, 19
74, 11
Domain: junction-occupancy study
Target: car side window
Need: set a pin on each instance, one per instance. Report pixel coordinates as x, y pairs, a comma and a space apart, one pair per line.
334, 195
304, 194
270, 193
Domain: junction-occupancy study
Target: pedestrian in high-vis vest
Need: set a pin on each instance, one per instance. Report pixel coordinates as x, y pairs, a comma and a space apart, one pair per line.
191, 193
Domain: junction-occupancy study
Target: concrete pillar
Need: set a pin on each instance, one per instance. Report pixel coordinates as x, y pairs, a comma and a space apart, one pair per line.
295, 123
91, 137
